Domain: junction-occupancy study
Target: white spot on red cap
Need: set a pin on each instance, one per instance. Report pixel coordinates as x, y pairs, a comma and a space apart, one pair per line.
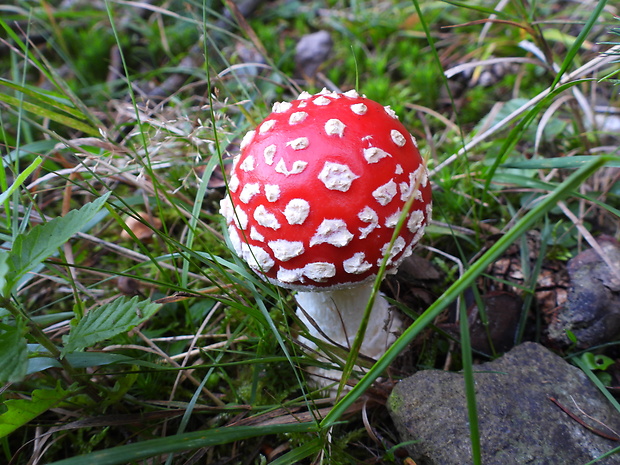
337, 177
247, 164
226, 209
359, 108
321, 101
235, 240
289, 276
281, 107
246, 139
374, 154
368, 215
297, 117
298, 167
272, 192
284, 250
392, 220
416, 218
249, 190
319, 271
352, 93
419, 233
334, 127
255, 235
414, 141
266, 218
257, 257
304, 95
357, 264
267, 126
332, 232
398, 138
398, 247
398, 169
233, 183
269, 153
240, 218
298, 144
385, 193
390, 112
296, 211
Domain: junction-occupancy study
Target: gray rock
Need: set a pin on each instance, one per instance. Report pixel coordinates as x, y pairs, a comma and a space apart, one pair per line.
311, 51
592, 310
519, 423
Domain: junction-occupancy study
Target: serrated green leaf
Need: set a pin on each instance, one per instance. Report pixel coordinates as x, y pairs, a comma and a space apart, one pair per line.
21, 411
31, 248
108, 321
13, 354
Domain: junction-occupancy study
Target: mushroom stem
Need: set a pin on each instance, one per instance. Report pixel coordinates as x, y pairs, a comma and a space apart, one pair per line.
337, 315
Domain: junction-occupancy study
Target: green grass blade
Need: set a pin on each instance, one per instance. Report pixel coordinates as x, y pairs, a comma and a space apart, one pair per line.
65, 120
299, 453
470, 386
468, 278
556, 163
574, 49
598, 383
183, 442
38, 94
21, 178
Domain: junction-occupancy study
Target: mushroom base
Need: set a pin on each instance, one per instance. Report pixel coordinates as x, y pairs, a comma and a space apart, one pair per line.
335, 316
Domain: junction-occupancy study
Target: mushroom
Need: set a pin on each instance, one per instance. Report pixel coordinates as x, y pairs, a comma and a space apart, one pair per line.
314, 199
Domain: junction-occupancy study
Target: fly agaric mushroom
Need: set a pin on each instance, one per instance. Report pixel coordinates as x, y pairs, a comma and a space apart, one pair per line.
314, 199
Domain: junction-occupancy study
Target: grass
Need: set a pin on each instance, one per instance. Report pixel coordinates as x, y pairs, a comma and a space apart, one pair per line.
118, 347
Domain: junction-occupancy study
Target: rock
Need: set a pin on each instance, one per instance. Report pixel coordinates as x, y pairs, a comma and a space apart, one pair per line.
519, 423
592, 309
311, 51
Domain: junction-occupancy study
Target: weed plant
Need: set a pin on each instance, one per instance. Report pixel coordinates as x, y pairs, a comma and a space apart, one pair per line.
129, 332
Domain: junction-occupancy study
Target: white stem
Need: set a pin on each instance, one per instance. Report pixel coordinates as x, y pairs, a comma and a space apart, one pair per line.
339, 313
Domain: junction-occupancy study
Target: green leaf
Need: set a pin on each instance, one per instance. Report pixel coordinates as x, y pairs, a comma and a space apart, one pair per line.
557, 162
596, 362
107, 321
182, 442
20, 179
53, 115
78, 360
4, 267
31, 248
21, 411
13, 354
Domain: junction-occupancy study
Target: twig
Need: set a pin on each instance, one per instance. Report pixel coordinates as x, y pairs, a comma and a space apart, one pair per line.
583, 423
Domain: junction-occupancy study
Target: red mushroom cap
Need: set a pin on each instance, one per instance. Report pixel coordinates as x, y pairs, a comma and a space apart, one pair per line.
318, 189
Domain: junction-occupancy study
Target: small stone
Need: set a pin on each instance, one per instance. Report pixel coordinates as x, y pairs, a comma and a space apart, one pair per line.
518, 421
592, 308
